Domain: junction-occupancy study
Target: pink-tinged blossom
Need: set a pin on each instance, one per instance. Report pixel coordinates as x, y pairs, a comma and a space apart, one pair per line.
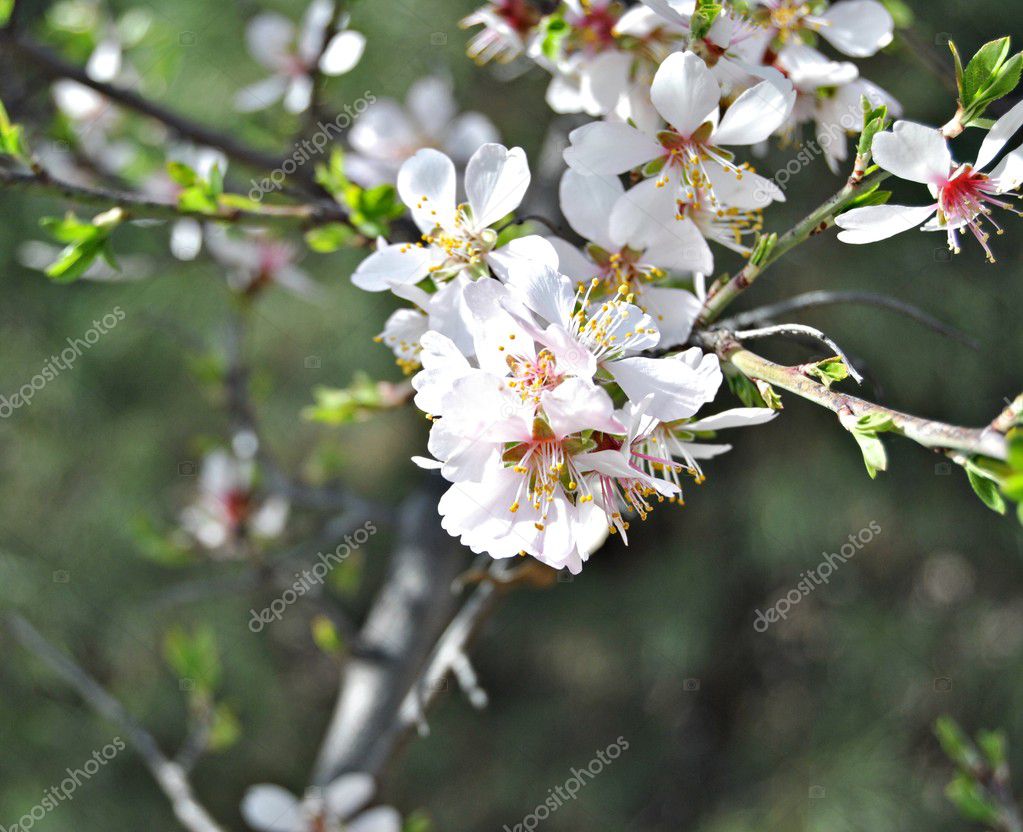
963, 196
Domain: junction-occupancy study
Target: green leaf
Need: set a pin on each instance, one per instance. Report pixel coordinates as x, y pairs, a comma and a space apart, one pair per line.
874, 121
955, 743
987, 490
12, 137
418, 821
326, 636
340, 406
769, 395
331, 176
959, 68
994, 747
194, 657
829, 371
744, 389
225, 729
6, 7
1013, 488
327, 238
182, 174
970, 799
85, 241
982, 68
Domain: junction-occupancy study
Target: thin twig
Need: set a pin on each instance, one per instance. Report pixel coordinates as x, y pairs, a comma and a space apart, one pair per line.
926, 432
724, 291
801, 329
823, 297
169, 776
54, 66
136, 206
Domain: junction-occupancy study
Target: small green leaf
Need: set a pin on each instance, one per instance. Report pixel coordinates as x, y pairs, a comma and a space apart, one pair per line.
959, 68
829, 371
6, 7
225, 729
340, 406
970, 799
982, 68
987, 490
328, 238
326, 636
194, 657
182, 174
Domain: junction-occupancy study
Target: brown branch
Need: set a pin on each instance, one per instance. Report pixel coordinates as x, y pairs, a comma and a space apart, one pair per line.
53, 66
137, 206
169, 776
407, 617
926, 432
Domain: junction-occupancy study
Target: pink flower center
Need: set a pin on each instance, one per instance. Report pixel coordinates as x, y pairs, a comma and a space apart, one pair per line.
965, 200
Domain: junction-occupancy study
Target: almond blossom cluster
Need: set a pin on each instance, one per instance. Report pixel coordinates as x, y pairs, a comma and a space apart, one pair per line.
558, 372
554, 417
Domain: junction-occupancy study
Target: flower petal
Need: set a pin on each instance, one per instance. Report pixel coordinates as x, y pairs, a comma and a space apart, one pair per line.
399, 263
674, 311
737, 417
685, 92
915, 152
269, 36
587, 201
349, 793
678, 389
605, 147
271, 809
999, 134
342, 53
879, 222
377, 819
496, 180
859, 28
426, 184
755, 114
578, 404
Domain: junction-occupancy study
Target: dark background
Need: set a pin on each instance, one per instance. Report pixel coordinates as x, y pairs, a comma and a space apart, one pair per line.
822, 723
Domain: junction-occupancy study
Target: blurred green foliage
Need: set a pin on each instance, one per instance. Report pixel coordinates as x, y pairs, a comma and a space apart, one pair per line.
821, 723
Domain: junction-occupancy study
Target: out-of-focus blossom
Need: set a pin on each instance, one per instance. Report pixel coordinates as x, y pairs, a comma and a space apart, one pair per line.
294, 55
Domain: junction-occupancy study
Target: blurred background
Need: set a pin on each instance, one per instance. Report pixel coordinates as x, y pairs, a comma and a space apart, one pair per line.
823, 722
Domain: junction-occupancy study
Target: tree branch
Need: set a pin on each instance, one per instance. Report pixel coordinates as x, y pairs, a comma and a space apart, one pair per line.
139, 207
399, 634
810, 300
724, 291
169, 776
937, 435
53, 66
